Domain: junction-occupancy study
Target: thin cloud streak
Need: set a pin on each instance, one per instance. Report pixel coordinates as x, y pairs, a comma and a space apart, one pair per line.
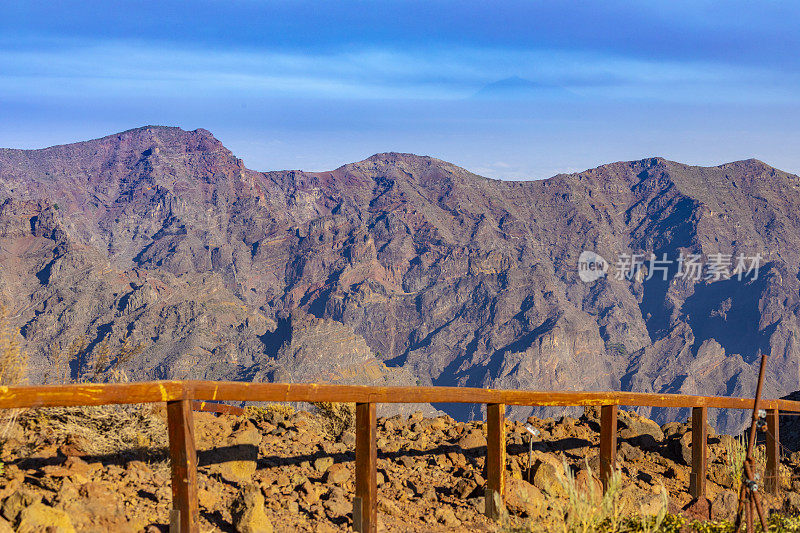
129, 69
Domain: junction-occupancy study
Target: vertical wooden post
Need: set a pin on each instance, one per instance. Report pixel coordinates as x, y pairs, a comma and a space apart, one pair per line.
183, 460
495, 459
697, 480
365, 503
608, 442
771, 476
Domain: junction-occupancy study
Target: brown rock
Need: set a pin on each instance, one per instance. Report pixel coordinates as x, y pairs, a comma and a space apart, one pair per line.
549, 479
446, 516
627, 452
17, 502
521, 496
310, 493
321, 464
337, 474
248, 512
464, 488
699, 509
208, 499
724, 505
338, 505
473, 439
40, 517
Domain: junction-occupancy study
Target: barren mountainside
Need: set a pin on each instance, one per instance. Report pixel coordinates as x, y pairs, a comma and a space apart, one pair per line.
398, 269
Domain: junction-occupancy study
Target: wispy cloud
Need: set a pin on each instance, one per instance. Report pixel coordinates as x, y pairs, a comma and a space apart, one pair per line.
129, 68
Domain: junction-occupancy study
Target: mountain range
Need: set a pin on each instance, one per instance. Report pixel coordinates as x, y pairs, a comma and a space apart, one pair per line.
156, 254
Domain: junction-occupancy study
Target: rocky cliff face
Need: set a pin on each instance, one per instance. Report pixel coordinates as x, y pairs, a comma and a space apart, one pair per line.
412, 268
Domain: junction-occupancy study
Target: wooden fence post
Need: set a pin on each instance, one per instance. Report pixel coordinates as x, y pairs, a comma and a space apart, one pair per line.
365, 503
185, 516
495, 459
697, 480
608, 442
771, 476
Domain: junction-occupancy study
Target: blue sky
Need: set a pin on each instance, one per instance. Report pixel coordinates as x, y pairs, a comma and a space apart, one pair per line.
508, 89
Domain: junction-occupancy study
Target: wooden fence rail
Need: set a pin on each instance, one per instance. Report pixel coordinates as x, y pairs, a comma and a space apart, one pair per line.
181, 397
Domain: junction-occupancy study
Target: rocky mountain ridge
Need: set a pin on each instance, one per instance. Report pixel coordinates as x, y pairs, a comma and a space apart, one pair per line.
163, 237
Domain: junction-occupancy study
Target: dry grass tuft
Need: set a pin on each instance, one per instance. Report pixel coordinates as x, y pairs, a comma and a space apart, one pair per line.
269, 412
13, 359
589, 510
13, 367
102, 430
336, 417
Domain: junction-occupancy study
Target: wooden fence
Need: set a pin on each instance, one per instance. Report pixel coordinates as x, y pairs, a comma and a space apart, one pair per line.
182, 397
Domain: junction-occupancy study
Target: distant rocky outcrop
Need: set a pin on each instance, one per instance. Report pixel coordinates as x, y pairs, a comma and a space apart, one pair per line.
414, 269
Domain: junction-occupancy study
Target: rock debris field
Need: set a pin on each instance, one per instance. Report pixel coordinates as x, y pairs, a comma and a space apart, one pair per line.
106, 469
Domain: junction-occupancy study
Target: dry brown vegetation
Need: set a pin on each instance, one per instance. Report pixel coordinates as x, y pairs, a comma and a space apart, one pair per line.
336, 417
13, 360
13, 367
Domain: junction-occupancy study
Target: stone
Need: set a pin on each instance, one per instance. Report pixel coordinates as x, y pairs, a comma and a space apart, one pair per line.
680, 448
337, 474
429, 494
587, 480
652, 504
473, 439
322, 464
40, 517
208, 499
700, 509
634, 426
246, 434
17, 502
236, 471
349, 439
338, 505
464, 488
549, 479
389, 507
724, 505
248, 512
627, 452
479, 504
720, 474
310, 493
521, 496
446, 516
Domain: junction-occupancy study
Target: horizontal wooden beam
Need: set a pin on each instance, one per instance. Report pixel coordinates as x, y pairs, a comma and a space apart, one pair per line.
163, 391
221, 408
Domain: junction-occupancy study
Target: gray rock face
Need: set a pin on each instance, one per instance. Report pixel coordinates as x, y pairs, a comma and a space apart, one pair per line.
414, 269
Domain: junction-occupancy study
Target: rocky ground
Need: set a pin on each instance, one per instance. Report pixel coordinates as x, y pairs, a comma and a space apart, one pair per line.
105, 469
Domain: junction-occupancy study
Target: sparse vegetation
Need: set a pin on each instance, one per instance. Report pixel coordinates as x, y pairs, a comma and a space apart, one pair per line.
269, 411
336, 417
101, 430
13, 369
735, 451
13, 359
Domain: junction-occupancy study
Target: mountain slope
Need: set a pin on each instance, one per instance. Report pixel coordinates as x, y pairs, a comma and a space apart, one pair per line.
163, 237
